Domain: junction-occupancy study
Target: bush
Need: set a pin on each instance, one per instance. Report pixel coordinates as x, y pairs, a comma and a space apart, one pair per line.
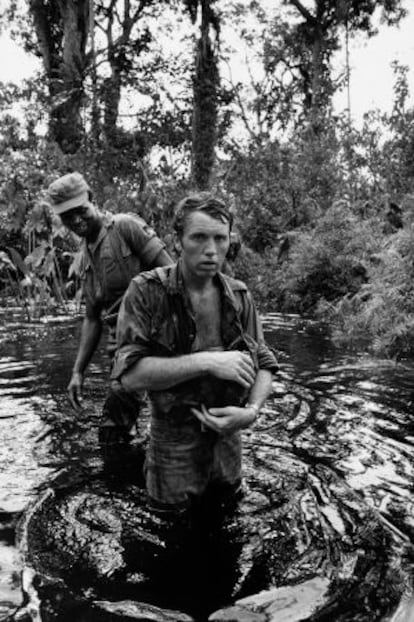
261, 273
381, 315
329, 261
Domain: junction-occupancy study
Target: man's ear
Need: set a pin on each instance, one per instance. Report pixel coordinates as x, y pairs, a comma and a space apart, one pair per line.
177, 243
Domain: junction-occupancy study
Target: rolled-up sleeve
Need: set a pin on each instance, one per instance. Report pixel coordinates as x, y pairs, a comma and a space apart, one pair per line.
133, 328
141, 239
253, 327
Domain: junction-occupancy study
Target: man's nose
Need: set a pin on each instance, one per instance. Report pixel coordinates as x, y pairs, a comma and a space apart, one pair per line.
210, 247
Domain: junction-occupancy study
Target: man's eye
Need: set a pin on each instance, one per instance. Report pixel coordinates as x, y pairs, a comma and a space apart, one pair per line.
75, 213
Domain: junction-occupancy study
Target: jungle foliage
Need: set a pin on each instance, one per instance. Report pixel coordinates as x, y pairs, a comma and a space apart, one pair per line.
323, 207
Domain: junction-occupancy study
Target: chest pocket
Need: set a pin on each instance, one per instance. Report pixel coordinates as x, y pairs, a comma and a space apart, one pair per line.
118, 265
162, 337
172, 327
237, 337
169, 333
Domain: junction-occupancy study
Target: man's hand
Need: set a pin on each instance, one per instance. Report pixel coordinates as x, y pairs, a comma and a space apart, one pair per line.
75, 391
232, 365
225, 420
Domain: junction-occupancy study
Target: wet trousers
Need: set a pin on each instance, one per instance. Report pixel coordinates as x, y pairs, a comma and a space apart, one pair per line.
185, 460
121, 408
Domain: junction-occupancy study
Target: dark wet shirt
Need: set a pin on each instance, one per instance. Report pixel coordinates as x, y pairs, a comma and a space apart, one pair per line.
155, 319
125, 246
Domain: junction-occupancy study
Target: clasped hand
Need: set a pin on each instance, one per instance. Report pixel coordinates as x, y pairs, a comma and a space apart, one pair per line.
224, 420
232, 365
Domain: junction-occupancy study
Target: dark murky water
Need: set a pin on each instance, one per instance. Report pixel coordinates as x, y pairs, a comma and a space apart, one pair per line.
333, 415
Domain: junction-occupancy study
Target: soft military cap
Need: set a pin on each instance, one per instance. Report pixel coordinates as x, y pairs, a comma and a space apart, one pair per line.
68, 192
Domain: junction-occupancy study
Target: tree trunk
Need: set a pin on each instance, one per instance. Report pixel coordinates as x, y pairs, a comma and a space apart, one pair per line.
318, 101
112, 97
205, 84
95, 112
315, 71
62, 31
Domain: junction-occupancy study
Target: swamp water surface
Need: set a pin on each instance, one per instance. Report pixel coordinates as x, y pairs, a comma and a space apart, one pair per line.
329, 515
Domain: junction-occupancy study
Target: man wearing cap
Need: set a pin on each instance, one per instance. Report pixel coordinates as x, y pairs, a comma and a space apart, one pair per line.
190, 336
115, 248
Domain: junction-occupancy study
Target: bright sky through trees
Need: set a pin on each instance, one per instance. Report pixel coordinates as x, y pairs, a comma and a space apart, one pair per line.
370, 62
15, 64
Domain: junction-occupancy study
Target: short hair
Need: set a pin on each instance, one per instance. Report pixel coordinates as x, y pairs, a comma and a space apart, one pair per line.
201, 202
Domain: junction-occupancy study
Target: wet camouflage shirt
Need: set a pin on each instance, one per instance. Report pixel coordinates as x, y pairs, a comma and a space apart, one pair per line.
155, 319
125, 246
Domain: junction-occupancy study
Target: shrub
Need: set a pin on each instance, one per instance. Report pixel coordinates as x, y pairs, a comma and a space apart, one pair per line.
261, 273
328, 261
381, 315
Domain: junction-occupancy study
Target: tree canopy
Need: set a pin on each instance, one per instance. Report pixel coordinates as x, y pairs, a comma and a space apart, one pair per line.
140, 96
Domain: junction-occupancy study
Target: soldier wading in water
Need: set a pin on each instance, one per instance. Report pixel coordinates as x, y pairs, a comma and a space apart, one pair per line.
190, 336
115, 248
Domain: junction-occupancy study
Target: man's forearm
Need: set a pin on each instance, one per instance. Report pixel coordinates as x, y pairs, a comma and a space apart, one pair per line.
90, 335
228, 419
158, 373
261, 388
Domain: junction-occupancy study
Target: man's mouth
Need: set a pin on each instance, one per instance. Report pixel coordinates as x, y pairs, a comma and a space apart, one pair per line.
209, 264
79, 229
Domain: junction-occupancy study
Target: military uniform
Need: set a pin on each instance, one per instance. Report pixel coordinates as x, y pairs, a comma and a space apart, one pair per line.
155, 319
125, 246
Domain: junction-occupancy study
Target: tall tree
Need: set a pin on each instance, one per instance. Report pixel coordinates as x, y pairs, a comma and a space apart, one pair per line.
124, 41
57, 31
62, 28
295, 52
318, 34
205, 93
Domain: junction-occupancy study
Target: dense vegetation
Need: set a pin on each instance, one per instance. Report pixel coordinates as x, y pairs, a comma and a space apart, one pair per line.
325, 210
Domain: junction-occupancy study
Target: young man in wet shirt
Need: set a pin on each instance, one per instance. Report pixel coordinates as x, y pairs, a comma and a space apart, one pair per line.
115, 248
190, 336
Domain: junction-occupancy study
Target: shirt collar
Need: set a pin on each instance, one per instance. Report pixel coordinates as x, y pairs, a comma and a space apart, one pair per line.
175, 283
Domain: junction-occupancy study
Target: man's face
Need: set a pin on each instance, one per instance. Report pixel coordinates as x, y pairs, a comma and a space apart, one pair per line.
204, 244
82, 220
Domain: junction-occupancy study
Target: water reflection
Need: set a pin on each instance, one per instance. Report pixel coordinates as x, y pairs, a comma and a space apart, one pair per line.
344, 422
34, 366
360, 417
